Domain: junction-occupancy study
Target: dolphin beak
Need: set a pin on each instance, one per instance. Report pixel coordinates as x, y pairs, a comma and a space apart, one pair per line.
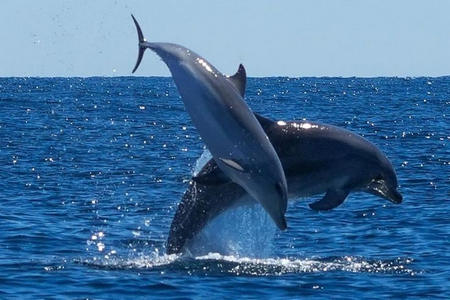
395, 197
379, 188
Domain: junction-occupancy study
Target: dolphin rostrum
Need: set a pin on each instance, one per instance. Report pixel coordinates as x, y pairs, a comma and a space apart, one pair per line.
317, 158
236, 140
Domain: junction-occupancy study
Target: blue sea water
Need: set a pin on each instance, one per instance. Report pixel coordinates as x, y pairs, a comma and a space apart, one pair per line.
92, 170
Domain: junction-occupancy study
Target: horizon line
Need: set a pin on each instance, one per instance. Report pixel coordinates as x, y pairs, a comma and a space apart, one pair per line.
271, 76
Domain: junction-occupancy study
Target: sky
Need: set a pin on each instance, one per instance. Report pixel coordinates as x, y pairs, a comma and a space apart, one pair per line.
293, 38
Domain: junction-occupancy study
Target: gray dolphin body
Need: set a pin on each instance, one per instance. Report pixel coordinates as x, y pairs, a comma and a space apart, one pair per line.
239, 145
317, 158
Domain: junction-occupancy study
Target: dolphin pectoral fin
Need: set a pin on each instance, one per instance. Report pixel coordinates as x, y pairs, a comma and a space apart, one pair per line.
141, 46
332, 199
239, 80
232, 164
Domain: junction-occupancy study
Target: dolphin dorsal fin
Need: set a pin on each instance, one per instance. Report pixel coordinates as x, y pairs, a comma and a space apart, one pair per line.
239, 80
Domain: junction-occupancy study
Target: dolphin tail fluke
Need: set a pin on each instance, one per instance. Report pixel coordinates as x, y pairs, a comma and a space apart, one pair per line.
140, 44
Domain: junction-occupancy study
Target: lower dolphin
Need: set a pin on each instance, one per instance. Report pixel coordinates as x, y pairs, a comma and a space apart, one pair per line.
317, 158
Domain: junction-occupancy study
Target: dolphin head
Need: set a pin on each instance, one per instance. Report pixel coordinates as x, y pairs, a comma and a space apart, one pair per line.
266, 185
384, 182
272, 195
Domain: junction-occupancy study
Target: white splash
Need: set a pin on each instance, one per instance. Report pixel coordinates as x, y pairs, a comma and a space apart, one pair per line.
245, 231
215, 263
201, 161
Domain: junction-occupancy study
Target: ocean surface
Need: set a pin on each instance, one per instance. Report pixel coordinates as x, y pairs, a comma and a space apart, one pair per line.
92, 170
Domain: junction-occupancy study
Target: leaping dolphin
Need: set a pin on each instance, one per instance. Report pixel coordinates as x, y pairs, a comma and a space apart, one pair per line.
317, 158
238, 144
